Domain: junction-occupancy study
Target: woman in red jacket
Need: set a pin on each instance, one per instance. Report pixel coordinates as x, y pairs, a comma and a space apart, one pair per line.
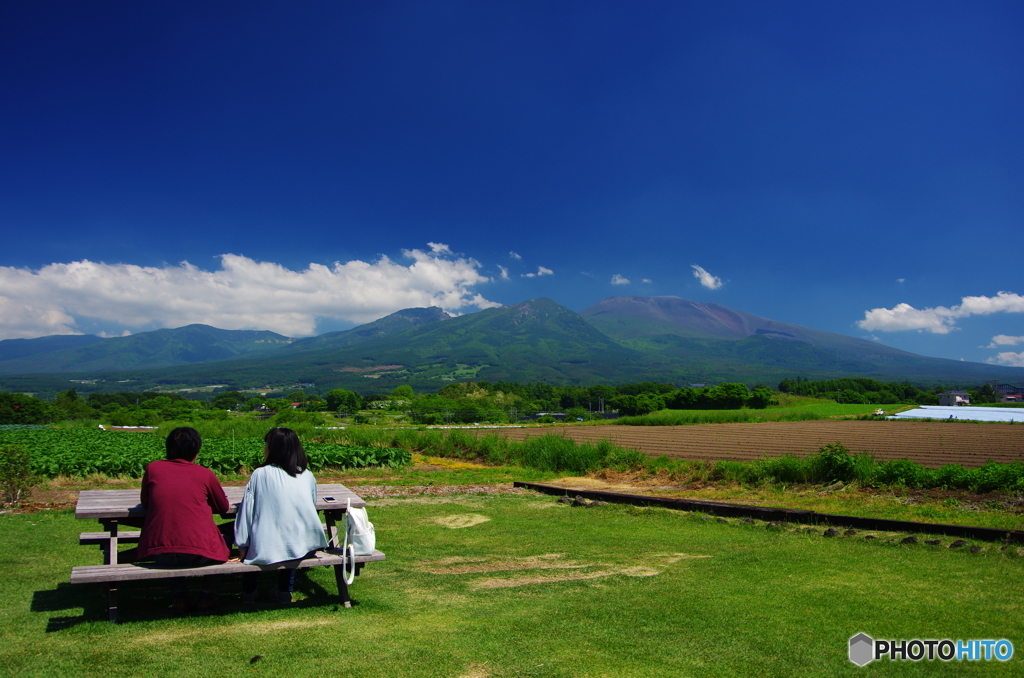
180, 498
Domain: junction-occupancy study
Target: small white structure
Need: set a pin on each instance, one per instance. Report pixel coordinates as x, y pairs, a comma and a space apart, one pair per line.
1010, 415
954, 399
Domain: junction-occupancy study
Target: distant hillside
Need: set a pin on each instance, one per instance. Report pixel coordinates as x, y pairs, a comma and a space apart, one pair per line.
146, 350
619, 340
399, 321
722, 338
536, 340
13, 349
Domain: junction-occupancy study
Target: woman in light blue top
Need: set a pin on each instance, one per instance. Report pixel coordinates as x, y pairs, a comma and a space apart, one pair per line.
277, 519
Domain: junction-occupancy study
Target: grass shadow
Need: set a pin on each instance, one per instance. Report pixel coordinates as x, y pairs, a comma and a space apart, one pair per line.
143, 601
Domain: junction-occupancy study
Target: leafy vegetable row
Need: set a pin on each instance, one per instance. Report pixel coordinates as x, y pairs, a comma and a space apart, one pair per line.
79, 452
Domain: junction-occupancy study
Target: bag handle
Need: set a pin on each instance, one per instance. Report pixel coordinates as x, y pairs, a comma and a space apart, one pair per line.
347, 549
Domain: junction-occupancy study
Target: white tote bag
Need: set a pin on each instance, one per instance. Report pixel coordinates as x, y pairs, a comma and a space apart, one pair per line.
360, 539
359, 532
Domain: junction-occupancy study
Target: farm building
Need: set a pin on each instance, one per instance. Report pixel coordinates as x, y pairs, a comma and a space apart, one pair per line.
954, 399
1008, 389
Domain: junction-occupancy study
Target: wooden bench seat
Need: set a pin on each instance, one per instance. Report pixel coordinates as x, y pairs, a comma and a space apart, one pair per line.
110, 575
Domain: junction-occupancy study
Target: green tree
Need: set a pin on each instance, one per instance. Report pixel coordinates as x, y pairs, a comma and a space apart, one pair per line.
760, 398
575, 414
729, 396
404, 392
637, 405
341, 400
985, 394
228, 400
18, 408
70, 406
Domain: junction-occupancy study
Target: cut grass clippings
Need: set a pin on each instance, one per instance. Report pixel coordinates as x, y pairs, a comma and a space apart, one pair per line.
539, 588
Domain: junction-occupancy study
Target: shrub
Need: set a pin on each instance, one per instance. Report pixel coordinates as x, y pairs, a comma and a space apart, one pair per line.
903, 472
832, 462
993, 476
16, 477
783, 469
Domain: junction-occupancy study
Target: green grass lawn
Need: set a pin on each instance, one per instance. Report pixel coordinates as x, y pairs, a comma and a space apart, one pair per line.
479, 585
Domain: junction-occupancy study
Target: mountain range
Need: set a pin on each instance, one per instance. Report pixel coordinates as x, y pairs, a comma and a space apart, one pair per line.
617, 340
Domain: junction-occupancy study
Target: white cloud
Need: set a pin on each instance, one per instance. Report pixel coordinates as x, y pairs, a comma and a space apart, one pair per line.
899, 280
706, 279
1008, 358
540, 271
513, 255
938, 320
619, 280
242, 294
646, 280
504, 272
1004, 340
906, 317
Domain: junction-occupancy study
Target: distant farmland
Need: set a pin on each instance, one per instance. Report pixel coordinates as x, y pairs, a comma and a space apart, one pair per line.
931, 444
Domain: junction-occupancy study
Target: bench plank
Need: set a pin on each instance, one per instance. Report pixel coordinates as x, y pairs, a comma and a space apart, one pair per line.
97, 574
129, 537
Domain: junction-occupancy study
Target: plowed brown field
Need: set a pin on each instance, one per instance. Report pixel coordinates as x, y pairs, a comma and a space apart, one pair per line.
928, 443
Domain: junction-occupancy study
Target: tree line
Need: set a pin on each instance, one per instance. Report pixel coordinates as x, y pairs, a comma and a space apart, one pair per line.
870, 391
463, 402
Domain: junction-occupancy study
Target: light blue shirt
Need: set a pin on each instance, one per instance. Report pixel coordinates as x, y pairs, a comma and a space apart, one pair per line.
277, 519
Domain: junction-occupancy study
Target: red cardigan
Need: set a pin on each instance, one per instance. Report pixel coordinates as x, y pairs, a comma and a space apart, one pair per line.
180, 499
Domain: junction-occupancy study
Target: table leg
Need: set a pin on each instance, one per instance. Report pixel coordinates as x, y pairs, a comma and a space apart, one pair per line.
111, 591
110, 548
331, 518
339, 576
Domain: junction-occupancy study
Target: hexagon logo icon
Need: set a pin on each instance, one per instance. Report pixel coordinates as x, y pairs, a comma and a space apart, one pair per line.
862, 647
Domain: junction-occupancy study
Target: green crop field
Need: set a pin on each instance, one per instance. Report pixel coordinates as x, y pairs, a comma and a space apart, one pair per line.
79, 452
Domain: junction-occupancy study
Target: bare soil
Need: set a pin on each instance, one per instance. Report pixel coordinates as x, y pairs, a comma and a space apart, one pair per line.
931, 444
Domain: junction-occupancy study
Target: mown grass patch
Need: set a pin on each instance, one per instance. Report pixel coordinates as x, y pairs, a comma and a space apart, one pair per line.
804, 410
538, 588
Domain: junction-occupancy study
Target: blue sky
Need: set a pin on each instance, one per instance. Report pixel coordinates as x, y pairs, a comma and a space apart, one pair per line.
855, 168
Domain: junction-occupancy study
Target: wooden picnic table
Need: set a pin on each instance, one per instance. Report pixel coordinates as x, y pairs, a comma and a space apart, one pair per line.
114, 508
117, 508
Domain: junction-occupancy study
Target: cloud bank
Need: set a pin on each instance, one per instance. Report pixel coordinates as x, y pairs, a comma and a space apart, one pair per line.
706, 279
938, 320
1004, 340
1008, 358
243, 294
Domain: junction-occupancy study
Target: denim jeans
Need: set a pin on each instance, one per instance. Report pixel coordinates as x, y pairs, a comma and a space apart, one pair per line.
285, 580
178, 585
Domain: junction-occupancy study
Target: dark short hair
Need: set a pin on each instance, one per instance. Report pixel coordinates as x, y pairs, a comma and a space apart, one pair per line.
285, 451
183, 443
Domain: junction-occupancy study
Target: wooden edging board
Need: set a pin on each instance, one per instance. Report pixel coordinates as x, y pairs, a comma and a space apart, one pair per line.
769, 514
